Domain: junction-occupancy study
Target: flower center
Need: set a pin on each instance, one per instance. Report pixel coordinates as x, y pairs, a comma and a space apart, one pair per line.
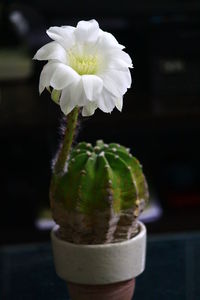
83, 64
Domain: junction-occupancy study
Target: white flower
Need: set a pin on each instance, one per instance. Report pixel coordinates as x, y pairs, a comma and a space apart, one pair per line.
86, 68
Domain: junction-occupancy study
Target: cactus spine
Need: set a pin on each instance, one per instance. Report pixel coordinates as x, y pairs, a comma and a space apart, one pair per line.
100, 196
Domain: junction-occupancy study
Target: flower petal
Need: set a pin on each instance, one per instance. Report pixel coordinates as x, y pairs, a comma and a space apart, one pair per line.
45, 76
122, 55
57, 75
87, 31
52, 50
92, 85
127, 77
72, 96
117, 82
66, 104
89, 109
63, 76
107, 41
119, 103
77, 93
106, 101
64, 35
118, 60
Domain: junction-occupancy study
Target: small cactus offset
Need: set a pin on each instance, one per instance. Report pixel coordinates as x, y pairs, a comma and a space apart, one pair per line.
100, 196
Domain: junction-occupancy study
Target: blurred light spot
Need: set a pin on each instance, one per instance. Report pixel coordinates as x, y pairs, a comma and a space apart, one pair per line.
20, 22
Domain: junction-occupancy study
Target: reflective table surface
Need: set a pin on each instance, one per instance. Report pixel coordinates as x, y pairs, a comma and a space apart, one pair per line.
172, 271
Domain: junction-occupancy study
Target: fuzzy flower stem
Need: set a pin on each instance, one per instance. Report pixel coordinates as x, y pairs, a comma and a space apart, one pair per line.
67, 141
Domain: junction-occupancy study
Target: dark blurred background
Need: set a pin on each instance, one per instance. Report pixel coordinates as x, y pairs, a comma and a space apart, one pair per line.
159, 122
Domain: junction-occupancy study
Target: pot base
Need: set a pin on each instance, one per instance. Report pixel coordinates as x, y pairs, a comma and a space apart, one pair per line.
116, 291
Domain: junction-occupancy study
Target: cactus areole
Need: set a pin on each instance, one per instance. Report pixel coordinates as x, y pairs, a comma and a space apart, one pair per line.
100, 195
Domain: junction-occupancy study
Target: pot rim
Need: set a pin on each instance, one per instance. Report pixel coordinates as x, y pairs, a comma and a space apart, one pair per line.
102, 263
139, 235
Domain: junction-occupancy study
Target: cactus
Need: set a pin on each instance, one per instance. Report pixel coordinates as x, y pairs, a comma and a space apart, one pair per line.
100, 196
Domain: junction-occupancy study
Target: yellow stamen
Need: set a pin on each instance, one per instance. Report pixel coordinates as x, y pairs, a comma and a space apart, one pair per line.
83, 64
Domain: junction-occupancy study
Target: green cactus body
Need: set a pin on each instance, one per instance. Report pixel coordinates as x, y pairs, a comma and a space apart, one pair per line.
100, 196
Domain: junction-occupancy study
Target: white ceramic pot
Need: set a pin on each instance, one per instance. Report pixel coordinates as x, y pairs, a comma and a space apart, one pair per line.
100, 264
